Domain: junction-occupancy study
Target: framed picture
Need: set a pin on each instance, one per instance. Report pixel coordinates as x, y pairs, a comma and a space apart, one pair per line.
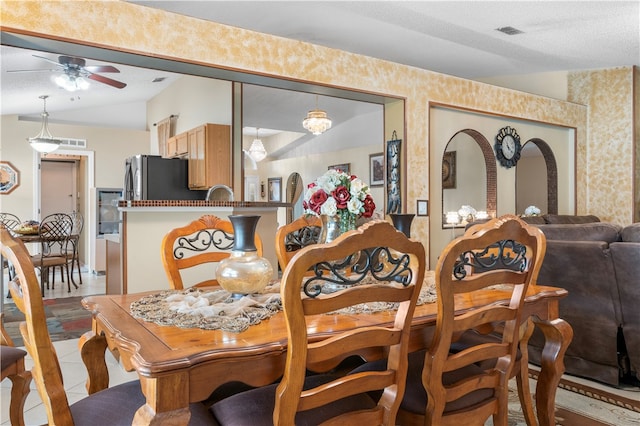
275, 189
422, 208
346, 167
394, 184
449, 170
376, 169
9, 177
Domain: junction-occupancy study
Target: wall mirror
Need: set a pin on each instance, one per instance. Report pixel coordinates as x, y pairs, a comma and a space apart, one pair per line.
294, 196
249, 82
464, 177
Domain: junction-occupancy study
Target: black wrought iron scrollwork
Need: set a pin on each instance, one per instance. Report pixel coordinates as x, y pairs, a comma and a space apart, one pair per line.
504, 254
302, 237
203, 241
378, 264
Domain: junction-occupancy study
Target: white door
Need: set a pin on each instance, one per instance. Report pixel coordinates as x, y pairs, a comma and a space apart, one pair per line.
58, 187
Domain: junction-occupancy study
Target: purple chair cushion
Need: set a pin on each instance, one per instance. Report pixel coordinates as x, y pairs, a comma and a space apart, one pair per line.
117, 406
10, 355
255, 407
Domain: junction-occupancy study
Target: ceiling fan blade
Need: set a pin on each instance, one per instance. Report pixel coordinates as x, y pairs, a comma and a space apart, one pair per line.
101, 68
47, 70
49, 60
106, 80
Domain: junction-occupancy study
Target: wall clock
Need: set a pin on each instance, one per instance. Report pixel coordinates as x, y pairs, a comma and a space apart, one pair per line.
508, 147
9, 177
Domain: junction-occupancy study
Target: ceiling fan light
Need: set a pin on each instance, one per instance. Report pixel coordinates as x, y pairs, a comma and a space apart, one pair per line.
44, 142
71, 83
317, 122
257, 151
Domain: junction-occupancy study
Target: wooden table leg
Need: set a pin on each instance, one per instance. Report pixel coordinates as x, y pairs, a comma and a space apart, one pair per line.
92, 349
558, 334
167, 400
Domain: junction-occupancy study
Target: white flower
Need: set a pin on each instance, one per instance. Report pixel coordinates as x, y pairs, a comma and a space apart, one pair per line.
354, 206
466, 210
531, 211
330, 208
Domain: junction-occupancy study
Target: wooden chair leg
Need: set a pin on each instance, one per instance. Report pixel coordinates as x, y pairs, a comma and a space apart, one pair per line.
19, 391
522, 377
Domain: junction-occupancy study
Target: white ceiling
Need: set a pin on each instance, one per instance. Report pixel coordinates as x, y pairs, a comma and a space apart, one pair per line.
457, 38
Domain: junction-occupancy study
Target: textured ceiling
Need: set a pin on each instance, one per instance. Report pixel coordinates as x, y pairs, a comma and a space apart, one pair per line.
456, 38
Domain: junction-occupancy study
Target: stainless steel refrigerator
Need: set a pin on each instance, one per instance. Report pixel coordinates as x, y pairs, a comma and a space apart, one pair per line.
151, 177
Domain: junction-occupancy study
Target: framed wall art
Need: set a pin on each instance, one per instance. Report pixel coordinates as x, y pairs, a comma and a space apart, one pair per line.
449, 170
9, 177
376, 169
422, 208
346, 167
275, 189
394, 188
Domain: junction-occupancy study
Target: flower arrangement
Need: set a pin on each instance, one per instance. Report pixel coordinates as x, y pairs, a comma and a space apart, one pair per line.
532, 211
467, 213
337, 193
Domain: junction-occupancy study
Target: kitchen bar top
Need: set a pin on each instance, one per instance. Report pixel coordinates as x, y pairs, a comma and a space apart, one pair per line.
198, 203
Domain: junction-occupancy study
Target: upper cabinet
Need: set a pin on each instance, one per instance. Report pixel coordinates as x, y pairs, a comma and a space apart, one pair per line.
209, 154
178, 146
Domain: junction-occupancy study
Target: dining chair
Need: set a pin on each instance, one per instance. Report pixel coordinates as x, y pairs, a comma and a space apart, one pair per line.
326, 397
204, 241
113, 406
53, 234
74, 241
10, 221
469, 384
293, 236
12, 363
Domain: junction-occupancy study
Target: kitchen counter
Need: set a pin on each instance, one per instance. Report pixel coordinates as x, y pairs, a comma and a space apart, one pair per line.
145, 223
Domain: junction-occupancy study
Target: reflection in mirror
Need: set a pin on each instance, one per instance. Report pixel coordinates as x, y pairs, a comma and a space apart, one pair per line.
464, 177
294, 196
531, 180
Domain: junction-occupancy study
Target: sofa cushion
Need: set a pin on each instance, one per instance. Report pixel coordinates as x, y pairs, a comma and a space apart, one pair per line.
533, 220
569, 218
631, 233
598, 231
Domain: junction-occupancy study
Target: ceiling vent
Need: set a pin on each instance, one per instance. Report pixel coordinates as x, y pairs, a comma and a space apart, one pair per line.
158, 79
73, 143
509, 30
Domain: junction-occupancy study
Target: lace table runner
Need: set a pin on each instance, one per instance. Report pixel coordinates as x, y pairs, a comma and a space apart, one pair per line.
217, 310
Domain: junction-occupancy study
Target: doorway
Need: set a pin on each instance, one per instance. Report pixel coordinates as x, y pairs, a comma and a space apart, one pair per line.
59, 186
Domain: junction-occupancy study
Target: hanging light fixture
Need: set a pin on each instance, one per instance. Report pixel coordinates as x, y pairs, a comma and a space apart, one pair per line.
317, 121
257, 151
71, 83
43, 141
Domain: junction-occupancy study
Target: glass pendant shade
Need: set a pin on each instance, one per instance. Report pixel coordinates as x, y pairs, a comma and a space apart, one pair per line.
71, 83
44, 142
317, 121
257, 151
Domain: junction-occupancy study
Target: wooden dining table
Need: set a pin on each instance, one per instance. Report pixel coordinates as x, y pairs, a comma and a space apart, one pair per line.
179, 366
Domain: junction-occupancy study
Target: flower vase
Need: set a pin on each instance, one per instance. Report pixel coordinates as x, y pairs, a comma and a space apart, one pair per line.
244, 272
334, 226
402, 222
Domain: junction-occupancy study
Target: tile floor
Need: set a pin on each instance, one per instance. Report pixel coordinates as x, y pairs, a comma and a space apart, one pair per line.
73, 370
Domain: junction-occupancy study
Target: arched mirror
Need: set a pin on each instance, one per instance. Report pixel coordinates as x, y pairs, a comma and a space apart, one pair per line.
294, 196
537, 178
464, 177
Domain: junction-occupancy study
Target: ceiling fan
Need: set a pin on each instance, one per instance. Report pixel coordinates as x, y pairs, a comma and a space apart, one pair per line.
75, 71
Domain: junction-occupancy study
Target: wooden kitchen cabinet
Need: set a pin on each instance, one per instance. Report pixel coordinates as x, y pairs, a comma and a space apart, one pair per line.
209, 154
178, 145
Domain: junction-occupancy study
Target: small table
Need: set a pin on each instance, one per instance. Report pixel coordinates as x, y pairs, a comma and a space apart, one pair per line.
180, 366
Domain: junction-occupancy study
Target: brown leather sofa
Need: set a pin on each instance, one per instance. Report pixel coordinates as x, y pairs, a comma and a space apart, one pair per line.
599, 264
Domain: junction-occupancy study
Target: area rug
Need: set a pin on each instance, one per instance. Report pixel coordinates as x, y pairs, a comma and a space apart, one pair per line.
66, 319
579, 404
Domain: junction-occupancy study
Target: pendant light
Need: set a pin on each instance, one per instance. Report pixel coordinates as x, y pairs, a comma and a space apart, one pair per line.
43, 141
257, 151
317, 121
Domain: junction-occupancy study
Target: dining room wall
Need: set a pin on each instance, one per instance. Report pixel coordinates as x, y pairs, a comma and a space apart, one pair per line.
134, 28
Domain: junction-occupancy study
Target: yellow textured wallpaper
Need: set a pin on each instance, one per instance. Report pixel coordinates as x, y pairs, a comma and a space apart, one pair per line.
135, 28
606, 185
